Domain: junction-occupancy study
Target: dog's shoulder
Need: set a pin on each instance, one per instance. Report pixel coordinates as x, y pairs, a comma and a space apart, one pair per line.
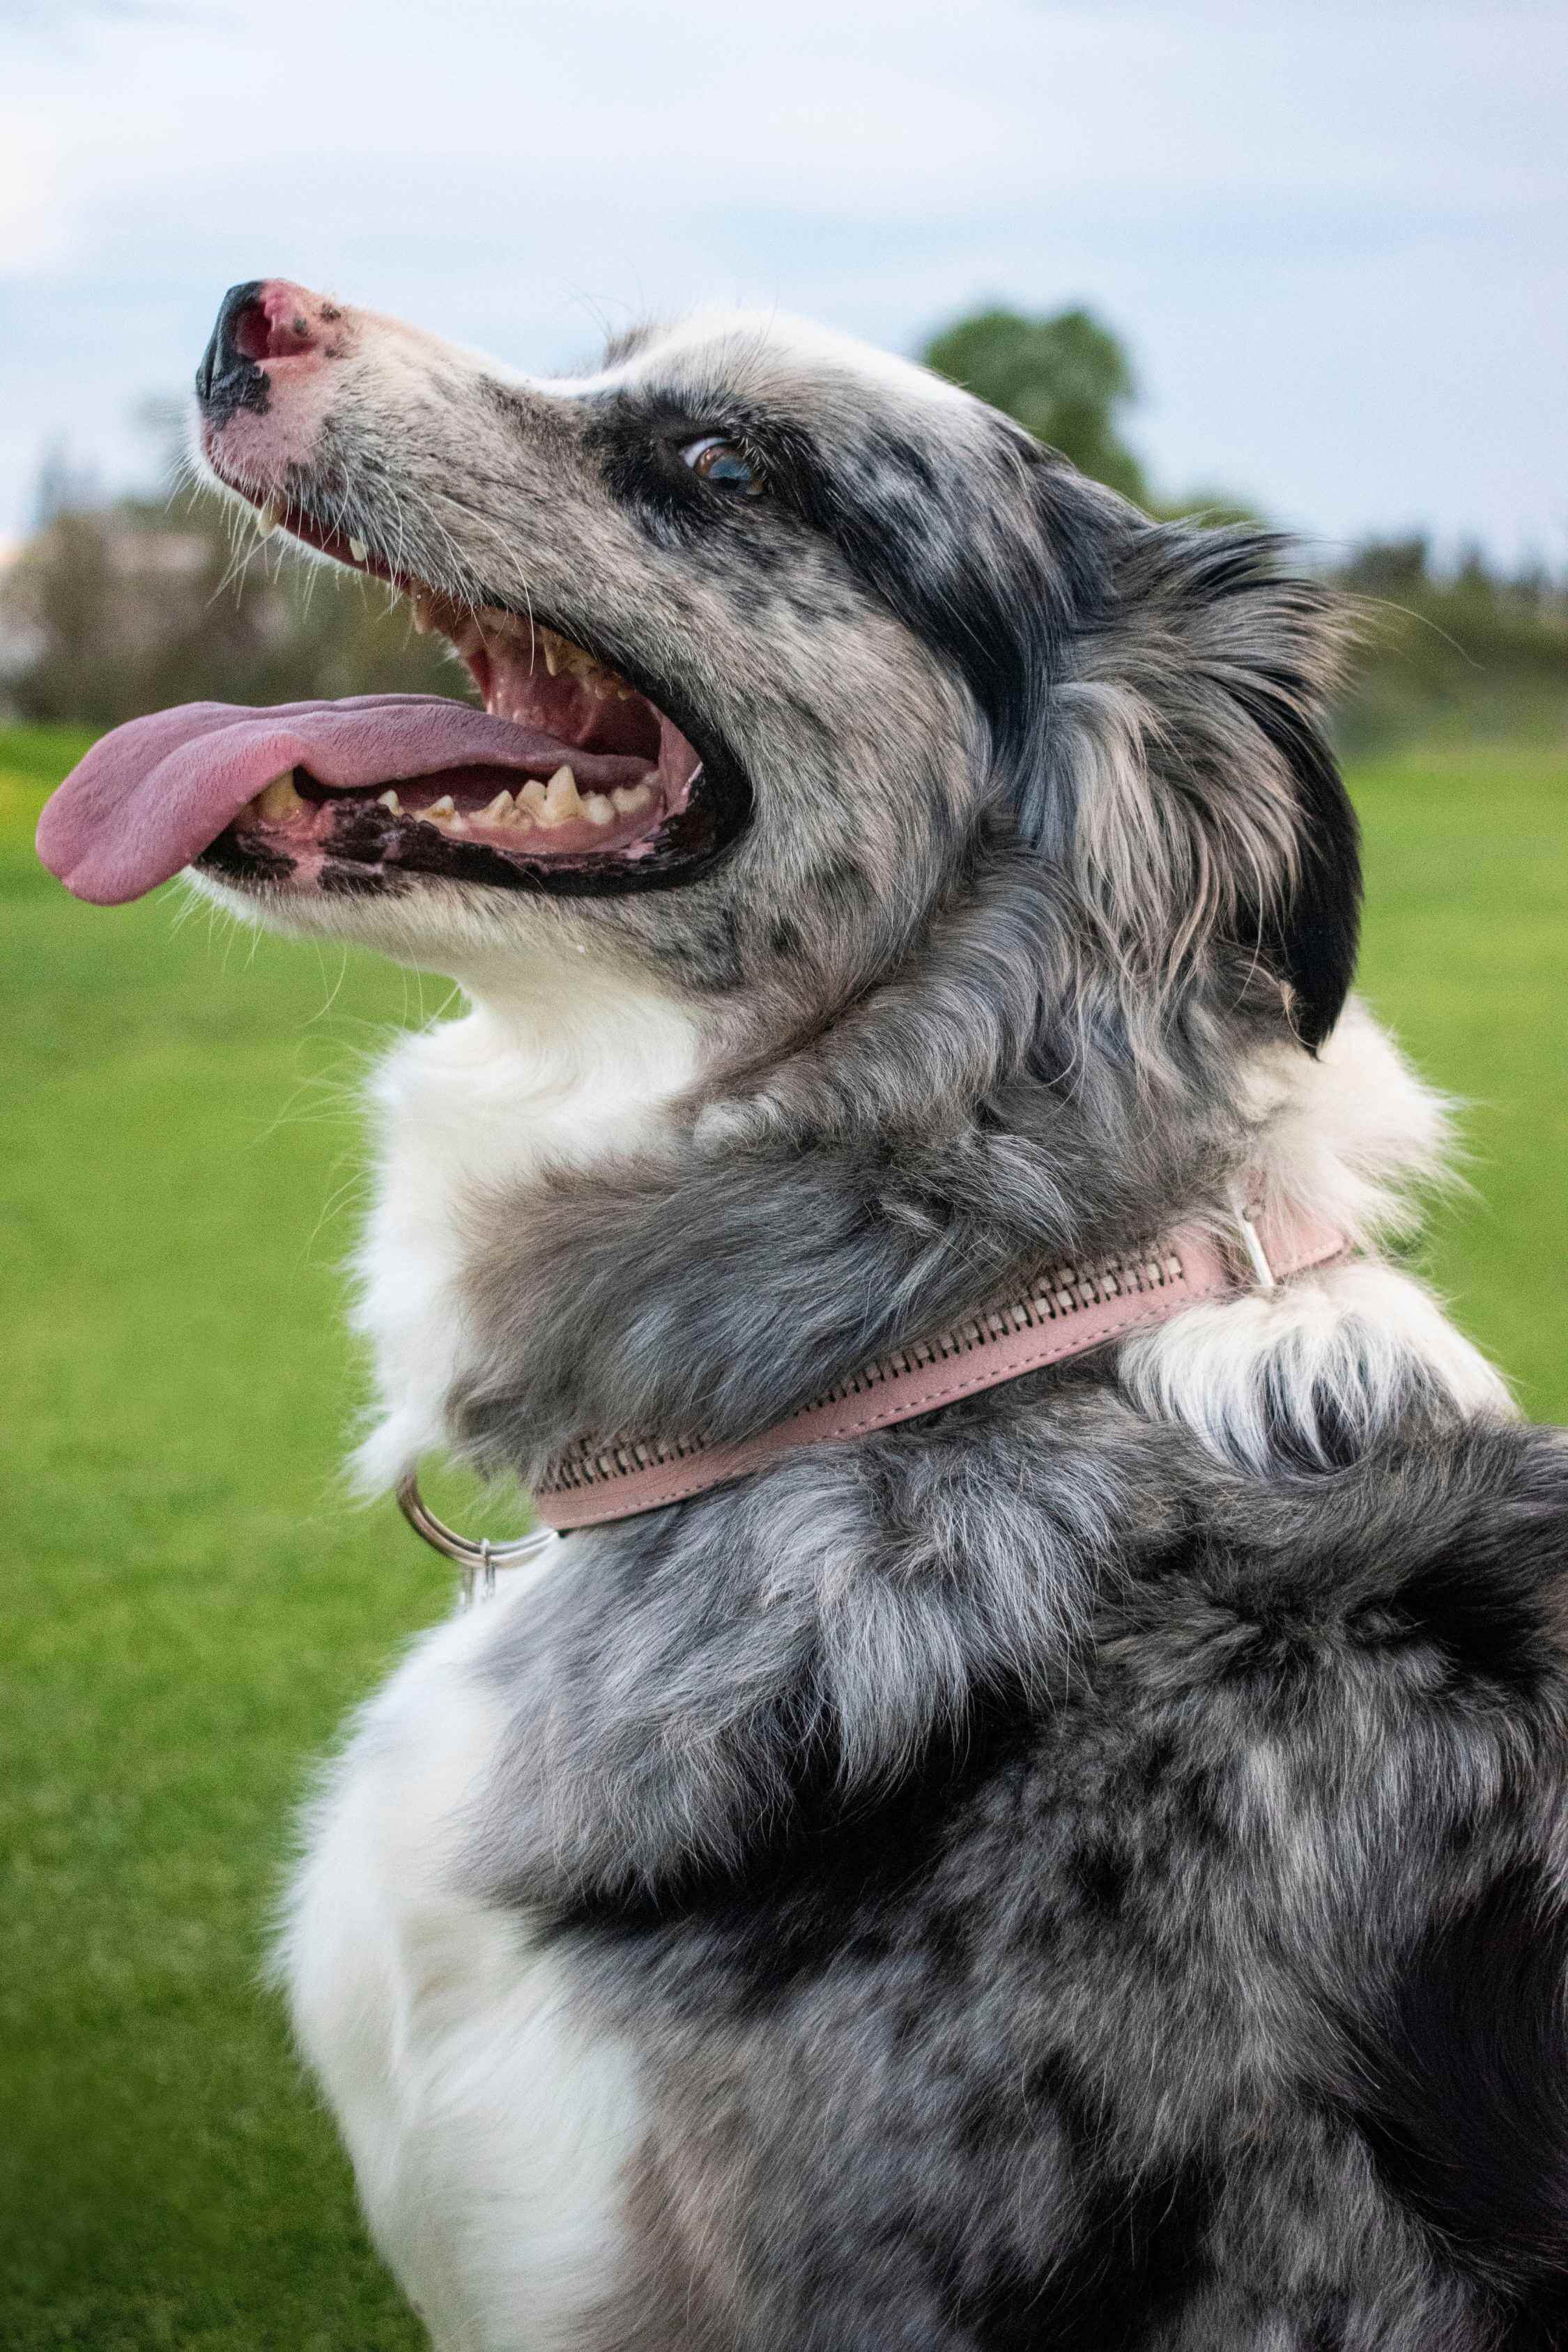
1350, 1715
1246, 1947
1433, 1571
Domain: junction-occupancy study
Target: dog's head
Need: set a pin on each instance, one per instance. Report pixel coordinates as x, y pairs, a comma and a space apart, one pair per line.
782, 644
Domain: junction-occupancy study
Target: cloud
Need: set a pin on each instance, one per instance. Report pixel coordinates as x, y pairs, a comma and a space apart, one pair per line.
1330, 233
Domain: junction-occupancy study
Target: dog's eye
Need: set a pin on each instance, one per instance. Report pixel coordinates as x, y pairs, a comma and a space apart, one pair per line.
724, 465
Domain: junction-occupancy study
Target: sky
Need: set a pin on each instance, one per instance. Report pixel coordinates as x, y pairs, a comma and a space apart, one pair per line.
1334, 236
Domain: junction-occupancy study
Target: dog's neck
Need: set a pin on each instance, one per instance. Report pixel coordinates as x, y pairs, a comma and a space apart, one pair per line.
563, 1074
553, 1067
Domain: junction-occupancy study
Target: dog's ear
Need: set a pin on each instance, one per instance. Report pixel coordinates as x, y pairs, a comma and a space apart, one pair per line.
1182, 775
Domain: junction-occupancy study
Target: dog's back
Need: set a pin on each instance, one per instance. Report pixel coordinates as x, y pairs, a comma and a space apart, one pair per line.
1214, 2001
1197, 1985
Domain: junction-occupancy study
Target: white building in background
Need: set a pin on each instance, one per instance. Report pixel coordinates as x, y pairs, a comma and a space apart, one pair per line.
17, 644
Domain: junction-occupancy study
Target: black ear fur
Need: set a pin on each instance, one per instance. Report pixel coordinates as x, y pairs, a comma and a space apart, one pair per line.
1311, 933
1186, 777
1462, 2091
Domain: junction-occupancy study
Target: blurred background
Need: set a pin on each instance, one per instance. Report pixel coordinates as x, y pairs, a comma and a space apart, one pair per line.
1304, 260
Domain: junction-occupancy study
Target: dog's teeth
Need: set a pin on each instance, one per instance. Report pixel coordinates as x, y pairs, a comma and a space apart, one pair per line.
389, 800
561, 800
499, 811
445, 806
268, 521
358, 550
531, 803
549, 644
279, 804
628, 797
597, 808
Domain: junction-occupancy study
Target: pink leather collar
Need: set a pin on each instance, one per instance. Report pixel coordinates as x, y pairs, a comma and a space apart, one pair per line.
1063, 1311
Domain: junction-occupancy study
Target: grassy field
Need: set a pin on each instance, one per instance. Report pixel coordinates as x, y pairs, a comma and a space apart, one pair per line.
189, 1606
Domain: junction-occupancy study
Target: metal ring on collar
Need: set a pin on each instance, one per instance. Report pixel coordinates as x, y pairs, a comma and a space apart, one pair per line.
476, 1560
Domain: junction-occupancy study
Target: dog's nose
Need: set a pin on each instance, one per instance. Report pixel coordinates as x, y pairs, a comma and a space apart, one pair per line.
262, 322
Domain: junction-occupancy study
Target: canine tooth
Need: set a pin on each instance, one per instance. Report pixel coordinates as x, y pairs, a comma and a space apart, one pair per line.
530, 803
597, 808
358, 550
549, 642
389, 800
268, 521
499, 809
280, 801
628, 797
560, 801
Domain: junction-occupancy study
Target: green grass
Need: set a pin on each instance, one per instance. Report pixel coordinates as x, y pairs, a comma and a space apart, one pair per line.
190, 1606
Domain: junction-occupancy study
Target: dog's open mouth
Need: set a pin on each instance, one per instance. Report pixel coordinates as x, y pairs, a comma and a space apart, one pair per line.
570, 778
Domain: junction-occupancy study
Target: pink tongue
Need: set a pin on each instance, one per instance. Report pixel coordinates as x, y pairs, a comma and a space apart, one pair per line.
157, 791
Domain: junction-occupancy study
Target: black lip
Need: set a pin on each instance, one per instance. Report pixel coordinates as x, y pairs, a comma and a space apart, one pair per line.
368, 836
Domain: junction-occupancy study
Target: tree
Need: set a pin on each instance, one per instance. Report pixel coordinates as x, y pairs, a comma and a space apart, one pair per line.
1066, 378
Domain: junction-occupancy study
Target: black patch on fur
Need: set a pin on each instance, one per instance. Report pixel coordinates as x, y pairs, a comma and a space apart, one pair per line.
243, 858
636, 438
356, 882
956, 552
1481, 1626
1312, 938
1466, 2099
1137, 2260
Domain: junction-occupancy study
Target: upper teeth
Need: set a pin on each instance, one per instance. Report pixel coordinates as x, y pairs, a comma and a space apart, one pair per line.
489, 627
269, 518
358, 550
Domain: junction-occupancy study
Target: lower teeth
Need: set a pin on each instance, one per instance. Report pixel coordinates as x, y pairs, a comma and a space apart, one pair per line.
550, 804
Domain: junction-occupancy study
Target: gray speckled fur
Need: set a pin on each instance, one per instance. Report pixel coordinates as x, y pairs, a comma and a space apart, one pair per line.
1012, 1846
1035, 1865
1059, 1891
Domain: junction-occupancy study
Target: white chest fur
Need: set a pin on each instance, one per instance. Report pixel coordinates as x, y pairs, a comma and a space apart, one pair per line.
489, 2134
561, 1067
489, 2131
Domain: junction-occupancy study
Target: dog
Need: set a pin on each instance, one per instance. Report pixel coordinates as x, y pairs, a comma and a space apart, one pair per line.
1083, 1863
